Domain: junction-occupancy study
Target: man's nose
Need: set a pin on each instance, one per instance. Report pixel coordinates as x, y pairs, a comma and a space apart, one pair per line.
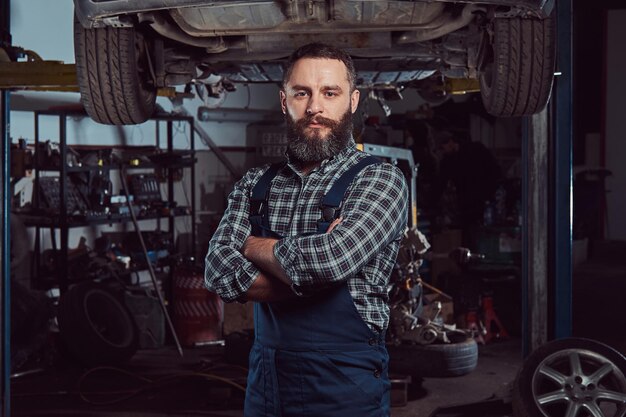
315, 105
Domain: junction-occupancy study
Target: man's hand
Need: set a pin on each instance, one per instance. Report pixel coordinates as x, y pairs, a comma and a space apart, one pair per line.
334, 224
260, 251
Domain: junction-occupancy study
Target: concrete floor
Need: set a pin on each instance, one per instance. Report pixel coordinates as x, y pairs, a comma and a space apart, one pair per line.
597, 313
498, 364
184, 390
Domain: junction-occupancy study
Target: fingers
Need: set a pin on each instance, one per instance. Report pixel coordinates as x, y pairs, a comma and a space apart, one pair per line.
334, 224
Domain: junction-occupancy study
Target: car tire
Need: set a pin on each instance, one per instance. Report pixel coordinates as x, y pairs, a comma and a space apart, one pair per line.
112, 76
434, 360
518, 67
550, 384
96, 326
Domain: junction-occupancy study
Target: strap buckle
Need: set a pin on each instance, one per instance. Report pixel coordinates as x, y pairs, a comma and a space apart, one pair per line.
257, 207
329, 213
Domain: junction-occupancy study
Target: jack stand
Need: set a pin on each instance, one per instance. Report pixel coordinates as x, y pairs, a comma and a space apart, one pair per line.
491, 321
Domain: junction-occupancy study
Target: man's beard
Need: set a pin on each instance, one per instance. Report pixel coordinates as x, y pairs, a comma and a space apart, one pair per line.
304, 148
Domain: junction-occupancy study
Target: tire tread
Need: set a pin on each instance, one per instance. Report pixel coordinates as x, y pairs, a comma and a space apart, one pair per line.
108, 76
434, 360
523, 66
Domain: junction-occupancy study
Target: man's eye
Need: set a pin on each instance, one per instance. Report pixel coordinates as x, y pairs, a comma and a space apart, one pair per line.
330, 94
300, 94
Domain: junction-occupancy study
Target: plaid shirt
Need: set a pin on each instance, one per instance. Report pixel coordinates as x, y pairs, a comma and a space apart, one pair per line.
361, 250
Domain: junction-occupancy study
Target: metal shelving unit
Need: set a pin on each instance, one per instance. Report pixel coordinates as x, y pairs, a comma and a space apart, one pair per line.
62, 221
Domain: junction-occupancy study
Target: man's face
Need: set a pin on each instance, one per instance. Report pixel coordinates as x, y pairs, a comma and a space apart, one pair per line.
318, 107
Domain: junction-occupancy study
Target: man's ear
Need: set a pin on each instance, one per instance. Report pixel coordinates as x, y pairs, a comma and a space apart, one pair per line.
283, 101
354, 100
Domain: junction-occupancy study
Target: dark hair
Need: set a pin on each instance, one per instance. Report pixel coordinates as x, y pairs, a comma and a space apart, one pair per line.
321, 51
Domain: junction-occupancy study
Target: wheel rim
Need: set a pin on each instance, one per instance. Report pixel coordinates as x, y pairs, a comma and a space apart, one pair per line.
578, 383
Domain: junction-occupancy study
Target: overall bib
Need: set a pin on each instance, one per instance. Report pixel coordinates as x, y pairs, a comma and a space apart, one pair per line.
314, 356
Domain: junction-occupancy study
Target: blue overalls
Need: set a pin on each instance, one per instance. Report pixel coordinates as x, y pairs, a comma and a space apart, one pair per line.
314, 356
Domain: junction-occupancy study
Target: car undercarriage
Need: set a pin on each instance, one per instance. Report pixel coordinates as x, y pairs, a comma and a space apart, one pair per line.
395, 44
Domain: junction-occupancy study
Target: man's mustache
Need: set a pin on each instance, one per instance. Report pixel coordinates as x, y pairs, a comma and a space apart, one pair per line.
320, 120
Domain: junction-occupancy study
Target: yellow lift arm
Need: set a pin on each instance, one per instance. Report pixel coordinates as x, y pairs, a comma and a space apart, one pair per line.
36, 74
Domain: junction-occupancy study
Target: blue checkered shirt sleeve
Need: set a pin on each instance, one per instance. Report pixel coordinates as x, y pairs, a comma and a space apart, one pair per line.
227, 272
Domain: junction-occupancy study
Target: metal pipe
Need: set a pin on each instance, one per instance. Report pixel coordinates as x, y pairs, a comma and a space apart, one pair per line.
192, 139
62, 265
213, 44
91, 13
150, 269
440, 26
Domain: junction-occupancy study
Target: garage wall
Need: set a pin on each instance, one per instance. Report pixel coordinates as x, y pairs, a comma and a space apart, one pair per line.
616, 123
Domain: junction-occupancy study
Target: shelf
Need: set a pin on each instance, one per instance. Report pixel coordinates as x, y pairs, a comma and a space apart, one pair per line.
147, 165
31, 220
187, 163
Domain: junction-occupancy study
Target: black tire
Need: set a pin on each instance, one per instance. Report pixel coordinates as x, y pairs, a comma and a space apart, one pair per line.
518, 67
112, 76
549, 381
434, 360
96, 326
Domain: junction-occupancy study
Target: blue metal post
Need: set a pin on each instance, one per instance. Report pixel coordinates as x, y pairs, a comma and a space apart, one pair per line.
6, 254
562, 214
5, 284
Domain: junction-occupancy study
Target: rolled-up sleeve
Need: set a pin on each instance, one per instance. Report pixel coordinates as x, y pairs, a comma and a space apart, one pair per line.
227, 272
374, 213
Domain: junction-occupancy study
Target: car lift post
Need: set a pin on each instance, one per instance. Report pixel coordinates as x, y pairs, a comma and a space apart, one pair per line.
547, 153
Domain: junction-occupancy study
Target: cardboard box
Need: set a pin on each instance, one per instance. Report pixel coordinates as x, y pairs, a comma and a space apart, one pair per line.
238, 317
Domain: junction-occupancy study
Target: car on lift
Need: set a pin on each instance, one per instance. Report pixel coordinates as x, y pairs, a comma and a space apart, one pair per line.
127, 50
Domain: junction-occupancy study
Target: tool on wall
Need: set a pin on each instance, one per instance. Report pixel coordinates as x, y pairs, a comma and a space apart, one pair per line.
145, 253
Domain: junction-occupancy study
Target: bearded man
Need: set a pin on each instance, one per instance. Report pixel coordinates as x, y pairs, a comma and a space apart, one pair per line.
312, 242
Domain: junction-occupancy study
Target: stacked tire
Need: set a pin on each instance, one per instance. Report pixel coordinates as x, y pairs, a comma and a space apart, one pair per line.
96, 326
434, 360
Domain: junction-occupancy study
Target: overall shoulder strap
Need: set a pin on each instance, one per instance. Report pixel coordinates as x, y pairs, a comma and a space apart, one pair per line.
332, 200
258, 199
260, 191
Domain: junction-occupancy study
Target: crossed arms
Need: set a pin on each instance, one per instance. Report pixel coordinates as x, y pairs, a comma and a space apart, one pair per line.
240, 267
